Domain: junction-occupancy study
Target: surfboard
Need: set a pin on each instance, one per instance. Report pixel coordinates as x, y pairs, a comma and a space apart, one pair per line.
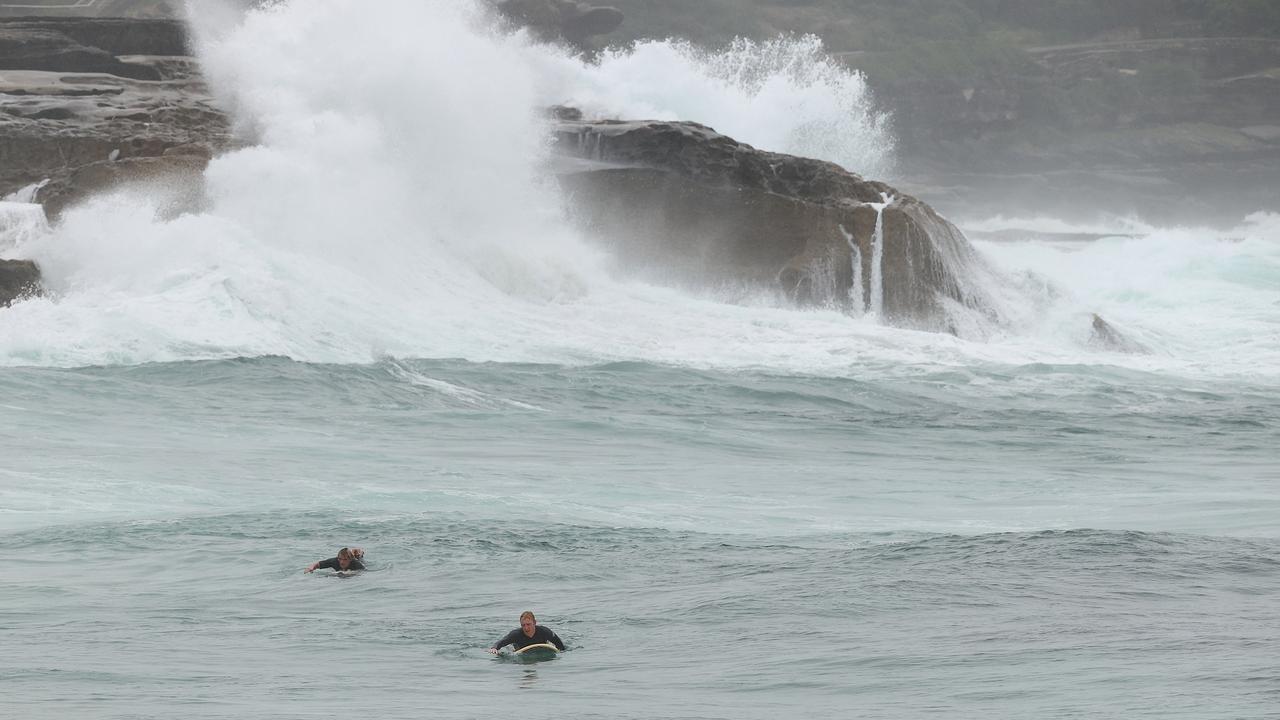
537, 653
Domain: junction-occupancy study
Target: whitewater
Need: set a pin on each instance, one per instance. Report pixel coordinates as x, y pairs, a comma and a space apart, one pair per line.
381, 330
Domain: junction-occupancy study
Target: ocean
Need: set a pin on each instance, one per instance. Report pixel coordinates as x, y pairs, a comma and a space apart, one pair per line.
382, 333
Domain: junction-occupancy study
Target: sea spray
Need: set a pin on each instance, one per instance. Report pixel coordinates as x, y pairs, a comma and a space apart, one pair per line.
389, 206
782, 95
1201, 295
25, 194
396, 207
20, 222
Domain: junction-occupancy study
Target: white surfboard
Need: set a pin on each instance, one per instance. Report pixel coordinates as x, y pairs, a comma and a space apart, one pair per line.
540, 651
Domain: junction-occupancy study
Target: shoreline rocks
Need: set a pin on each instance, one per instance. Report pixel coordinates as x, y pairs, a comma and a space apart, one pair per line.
88, 91
18, 279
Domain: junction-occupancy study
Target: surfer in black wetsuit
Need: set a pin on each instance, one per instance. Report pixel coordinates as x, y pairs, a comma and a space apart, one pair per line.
529, 633
348, 559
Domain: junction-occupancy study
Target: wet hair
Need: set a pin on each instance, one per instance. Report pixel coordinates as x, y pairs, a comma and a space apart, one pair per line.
528, 614
346, 553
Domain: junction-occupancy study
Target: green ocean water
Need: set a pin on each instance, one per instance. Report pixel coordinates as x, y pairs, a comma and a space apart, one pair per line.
709, 544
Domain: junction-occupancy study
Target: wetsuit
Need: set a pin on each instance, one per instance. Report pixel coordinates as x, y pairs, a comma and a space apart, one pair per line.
332, 564
519, 639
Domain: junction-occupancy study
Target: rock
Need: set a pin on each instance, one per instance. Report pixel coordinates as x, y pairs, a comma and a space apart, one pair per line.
567, 20
69, 101
679, 200
77, 119
93, 8
18, 279
562, 112
115, 36
87, 45
77, 116
51, 124
47, 50
175, 180
1106, 337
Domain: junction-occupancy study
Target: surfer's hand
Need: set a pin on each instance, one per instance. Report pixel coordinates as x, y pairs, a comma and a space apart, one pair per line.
312, 568
493, 651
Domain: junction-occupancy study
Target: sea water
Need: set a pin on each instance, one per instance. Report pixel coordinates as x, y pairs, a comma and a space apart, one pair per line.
382, 333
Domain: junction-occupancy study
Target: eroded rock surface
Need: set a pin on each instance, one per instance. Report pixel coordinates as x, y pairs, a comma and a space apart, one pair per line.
18, 279
678, 199
89, 91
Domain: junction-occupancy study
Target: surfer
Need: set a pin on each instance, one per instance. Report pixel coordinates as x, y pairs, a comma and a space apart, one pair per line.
529, 633
347, 559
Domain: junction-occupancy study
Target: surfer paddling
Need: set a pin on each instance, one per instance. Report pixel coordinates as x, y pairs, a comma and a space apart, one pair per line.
529, 633
347, 559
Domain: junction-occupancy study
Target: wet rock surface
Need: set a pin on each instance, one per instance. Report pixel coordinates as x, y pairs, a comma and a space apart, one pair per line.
683, 202
18, 279
135, 95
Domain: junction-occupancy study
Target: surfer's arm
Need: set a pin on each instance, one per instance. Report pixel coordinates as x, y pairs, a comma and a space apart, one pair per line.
331, 563
555, 639
505, 641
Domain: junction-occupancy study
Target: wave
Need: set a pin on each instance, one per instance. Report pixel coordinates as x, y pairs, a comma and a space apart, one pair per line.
1200, 298
783, 95
397, 206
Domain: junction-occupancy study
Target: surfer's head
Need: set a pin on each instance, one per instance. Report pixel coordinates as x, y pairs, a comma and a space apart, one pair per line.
528, 624
344, 558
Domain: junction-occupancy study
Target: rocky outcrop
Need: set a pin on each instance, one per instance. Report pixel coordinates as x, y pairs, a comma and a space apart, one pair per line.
1104, 336
116, 36
87, 105
94, 8
70, 106
562, 20
679, 200
176, 180
88, 46
18, 279
54, 124
39, 49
